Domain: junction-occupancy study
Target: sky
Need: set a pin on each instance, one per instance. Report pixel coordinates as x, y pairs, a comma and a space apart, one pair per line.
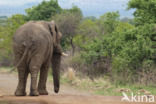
89, 7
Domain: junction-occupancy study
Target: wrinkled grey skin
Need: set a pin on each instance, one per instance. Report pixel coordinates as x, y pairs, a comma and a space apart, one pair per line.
36, 45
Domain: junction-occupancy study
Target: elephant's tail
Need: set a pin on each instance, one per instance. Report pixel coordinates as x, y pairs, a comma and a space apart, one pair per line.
22, 58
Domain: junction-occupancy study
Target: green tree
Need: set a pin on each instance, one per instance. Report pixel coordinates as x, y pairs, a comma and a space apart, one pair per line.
7, 31
128, 20
43, 11
108, 22
68, 21
86, 31
145, 11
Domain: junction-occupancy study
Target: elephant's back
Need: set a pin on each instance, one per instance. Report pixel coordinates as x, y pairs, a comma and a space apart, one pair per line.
33, 37
32, 33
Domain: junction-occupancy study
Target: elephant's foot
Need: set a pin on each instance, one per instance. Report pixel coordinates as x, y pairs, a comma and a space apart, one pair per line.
34, 93
43, 92
20, 93
56, 89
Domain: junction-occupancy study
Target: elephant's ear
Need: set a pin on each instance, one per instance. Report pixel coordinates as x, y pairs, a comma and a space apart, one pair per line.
58, 34
53, 31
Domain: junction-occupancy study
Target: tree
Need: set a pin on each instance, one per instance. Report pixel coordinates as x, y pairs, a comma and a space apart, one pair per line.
43, 11
86, 31
68, 21
6, 33
128, 20
91, 18
145, 11
108, 22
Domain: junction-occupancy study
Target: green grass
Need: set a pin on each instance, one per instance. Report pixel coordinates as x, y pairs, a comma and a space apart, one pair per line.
102, 86
6, 69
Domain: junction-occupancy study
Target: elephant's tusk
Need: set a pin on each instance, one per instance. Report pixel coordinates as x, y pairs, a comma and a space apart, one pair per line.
64, 54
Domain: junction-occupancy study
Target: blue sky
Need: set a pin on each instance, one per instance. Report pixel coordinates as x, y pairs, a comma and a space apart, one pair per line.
88, 7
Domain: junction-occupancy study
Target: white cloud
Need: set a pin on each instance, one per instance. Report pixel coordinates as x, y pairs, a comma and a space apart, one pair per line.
92, 3
16, 2
64, 3
96, 6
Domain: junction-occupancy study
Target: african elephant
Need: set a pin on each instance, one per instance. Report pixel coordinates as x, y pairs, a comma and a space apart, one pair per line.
36, 45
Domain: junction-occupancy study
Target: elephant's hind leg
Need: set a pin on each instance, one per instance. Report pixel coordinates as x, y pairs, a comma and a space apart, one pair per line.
22, 71
43, 79
22, 80
34, 67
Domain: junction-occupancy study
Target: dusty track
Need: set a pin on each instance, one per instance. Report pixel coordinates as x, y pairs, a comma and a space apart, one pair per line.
67, 95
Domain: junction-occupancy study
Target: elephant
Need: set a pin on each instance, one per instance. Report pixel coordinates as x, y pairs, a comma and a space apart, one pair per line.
36, 46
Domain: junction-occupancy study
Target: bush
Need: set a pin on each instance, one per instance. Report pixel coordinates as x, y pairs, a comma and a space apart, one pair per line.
127, 48
136, 49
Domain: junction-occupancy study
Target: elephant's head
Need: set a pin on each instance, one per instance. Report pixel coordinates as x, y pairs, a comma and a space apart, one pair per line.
57, 53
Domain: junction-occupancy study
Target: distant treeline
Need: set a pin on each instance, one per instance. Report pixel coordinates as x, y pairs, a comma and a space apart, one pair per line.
3, 17
3, 20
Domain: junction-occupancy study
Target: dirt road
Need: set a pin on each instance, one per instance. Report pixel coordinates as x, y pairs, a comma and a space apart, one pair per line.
67, 95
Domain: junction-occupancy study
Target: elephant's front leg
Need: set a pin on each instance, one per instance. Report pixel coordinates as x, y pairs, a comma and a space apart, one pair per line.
43, 79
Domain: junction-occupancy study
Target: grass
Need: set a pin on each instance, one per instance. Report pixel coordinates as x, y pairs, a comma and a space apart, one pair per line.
5, 69
103, 86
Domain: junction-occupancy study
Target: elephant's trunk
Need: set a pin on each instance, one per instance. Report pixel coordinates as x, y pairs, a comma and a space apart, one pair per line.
56, 61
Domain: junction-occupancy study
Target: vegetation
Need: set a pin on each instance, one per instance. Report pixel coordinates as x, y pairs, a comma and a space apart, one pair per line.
3, 20
123, 50
103, 86
68, 21
145, 11
43, 11
6, 33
